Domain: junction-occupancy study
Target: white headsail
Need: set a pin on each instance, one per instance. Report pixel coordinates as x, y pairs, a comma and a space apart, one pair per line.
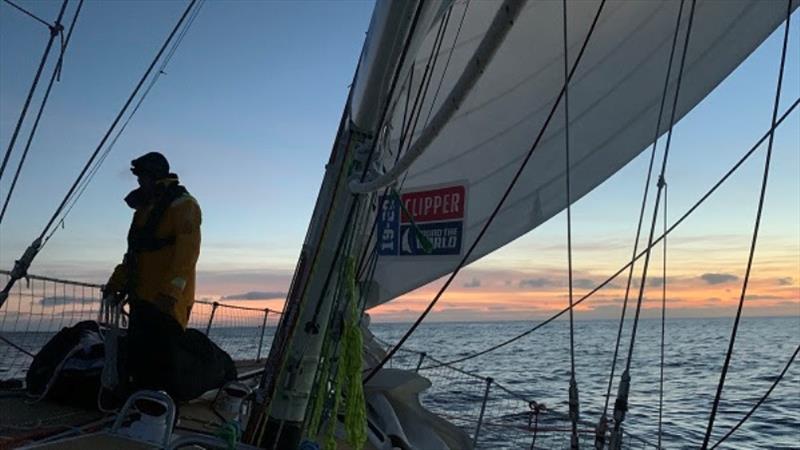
455, 182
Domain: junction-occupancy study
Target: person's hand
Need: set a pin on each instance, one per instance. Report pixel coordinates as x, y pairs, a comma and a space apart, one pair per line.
111, 297
165, 303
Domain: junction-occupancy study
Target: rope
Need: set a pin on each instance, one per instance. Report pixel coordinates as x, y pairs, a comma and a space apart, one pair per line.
56, 74
760, 401
761, 198
574, 402
355, 419
643, 207
672, 228
54, 31
496, 210
29, 14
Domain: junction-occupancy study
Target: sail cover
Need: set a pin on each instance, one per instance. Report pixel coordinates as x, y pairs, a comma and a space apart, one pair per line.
451, 189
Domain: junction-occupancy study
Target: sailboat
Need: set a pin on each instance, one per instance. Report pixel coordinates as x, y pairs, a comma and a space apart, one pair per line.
468, 124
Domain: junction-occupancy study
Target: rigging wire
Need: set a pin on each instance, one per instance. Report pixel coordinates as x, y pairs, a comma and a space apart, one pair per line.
494, 213
663, 316
21, 265
644, 201
621, 404
760, 401
642, 210
574, 402
161, 71
661, 185
118, 117
56, 73
29, 14
762, 196
625, 267
55, 29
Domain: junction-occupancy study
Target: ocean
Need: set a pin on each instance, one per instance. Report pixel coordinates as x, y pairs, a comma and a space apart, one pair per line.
537, 367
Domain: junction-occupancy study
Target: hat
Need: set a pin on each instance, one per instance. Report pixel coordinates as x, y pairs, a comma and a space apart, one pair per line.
153, 164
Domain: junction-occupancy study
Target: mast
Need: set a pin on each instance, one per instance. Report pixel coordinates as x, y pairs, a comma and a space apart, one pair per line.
288, 381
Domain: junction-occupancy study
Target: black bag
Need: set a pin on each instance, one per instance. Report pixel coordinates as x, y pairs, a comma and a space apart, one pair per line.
199, 365
164, 356
68, 368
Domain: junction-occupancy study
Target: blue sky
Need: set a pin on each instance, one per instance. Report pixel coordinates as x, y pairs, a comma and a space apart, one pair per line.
247, 113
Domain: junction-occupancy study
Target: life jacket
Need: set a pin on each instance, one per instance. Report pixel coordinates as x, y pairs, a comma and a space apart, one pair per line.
144, 238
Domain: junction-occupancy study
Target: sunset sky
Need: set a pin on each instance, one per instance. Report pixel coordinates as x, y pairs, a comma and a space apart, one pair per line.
247, 113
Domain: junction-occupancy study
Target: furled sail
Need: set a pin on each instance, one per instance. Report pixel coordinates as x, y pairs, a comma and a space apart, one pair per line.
454, 183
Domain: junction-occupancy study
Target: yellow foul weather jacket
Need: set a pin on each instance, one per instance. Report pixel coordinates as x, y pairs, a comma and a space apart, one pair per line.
162, 253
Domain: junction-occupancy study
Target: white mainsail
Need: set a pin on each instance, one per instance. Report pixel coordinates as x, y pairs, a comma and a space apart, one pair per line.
614, 97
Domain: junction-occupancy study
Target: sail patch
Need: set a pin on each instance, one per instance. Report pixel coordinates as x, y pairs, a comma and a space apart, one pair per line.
422, 222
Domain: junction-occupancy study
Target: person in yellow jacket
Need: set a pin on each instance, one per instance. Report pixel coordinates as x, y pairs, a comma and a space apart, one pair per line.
157, 275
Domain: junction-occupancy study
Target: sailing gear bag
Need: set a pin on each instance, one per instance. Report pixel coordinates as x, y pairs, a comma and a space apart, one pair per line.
162, 356
68, 368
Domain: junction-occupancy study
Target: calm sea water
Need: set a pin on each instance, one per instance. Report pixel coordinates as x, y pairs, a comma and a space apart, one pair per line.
538, 365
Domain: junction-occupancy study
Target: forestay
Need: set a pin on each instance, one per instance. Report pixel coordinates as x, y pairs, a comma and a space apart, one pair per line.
452, 187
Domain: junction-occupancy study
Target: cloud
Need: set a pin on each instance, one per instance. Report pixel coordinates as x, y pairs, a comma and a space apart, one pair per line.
534, 282
584, 283
255, 295
473, 283
718, 278
764, 297
498, 308
655, 281
58, 300
785, 281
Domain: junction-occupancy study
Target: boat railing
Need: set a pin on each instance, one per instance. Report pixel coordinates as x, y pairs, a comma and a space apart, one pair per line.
494, 415
40, 306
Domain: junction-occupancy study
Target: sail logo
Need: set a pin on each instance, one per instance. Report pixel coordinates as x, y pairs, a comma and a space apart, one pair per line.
422, 222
